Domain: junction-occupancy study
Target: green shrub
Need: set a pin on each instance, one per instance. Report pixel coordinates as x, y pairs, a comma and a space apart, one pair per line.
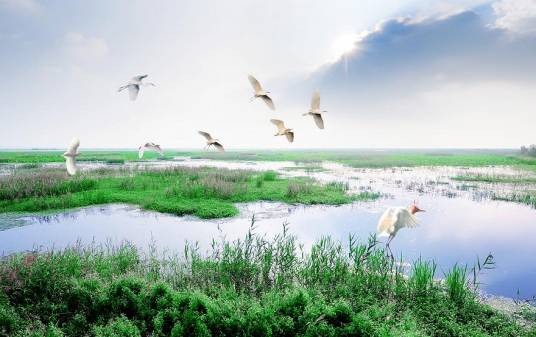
119, 327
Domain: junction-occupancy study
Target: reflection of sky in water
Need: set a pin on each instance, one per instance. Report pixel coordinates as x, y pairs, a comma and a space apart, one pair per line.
453, 230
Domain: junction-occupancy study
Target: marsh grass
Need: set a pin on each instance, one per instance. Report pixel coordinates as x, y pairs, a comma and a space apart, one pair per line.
204, 192
497, 179
527, 198
42, 184
294, 189
251, 286
355, 158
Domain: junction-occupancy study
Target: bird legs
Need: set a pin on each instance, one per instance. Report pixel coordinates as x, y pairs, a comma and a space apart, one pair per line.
388, 247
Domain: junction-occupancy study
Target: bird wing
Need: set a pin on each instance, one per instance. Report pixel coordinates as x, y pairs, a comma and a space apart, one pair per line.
141, 151
279, 123
158, 149
290, 136
138, 78
387, 221
407, 219
254, 83
205, 134
318, 120
133, 90
268, 101
219, 147
75, 142
70, 164
315, 101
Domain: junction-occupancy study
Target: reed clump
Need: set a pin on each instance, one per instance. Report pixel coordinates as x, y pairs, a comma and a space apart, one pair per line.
42, 184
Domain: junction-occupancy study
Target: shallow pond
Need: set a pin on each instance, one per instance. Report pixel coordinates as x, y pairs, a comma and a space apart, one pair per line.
460, 222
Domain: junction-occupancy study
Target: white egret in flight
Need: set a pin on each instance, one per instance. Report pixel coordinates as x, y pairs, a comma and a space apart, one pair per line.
315, 110
211, 141
260, 92
134, 86
149, 146
70, 156
282, 130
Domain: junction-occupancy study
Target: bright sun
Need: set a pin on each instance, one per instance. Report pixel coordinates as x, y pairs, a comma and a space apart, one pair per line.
343, 44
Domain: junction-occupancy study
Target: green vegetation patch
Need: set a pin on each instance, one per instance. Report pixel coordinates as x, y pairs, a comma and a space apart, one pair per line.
204, 192
248, 287
496, 179
355, 158
528, 198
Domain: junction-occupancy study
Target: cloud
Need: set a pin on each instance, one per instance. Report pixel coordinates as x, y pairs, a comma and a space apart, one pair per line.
84, 49
402, 56
21, 6
516, 15
451, 80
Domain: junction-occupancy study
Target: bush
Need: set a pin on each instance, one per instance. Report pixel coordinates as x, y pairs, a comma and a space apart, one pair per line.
120, 327
249, 287
530, 151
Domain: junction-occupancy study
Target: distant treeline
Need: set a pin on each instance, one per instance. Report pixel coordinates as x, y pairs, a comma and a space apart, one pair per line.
529, 151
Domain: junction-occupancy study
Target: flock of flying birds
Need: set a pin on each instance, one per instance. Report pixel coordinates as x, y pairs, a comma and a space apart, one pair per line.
392, 220
137, 82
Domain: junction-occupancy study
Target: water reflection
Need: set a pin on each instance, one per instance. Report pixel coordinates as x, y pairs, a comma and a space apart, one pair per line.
452, 231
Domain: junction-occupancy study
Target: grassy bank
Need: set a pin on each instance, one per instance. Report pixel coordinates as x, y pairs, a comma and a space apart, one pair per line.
204, 192
249, 287
355, 158
496, 179
526, 195
112, 157
380, 159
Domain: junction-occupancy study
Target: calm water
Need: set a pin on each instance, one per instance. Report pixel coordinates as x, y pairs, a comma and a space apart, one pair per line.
460, 224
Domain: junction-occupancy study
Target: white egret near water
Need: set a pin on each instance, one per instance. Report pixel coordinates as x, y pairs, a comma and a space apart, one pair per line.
282, 130
70, 156
134, 86
260, 92
396, 218
149, 146
315, 110
211, 141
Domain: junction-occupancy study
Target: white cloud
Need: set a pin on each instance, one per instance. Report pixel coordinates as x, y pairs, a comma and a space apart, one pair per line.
450, 80
516, 15
84, 49
22, 6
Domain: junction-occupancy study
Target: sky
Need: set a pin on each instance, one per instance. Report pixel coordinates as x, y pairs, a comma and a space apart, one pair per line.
391, 73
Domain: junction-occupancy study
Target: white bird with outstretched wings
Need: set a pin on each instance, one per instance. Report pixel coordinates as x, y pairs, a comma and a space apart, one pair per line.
134, 85
149, 146
259, 92
211, 141
282, 130
315, 110
70, 156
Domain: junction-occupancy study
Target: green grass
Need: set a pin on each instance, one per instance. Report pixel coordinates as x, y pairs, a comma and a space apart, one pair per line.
204, 192
249, 287
355, 158
306, 168
496, 179
381, 159
528, 198
110, 157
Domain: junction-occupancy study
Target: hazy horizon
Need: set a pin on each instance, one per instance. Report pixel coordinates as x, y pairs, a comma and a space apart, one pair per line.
392, 74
